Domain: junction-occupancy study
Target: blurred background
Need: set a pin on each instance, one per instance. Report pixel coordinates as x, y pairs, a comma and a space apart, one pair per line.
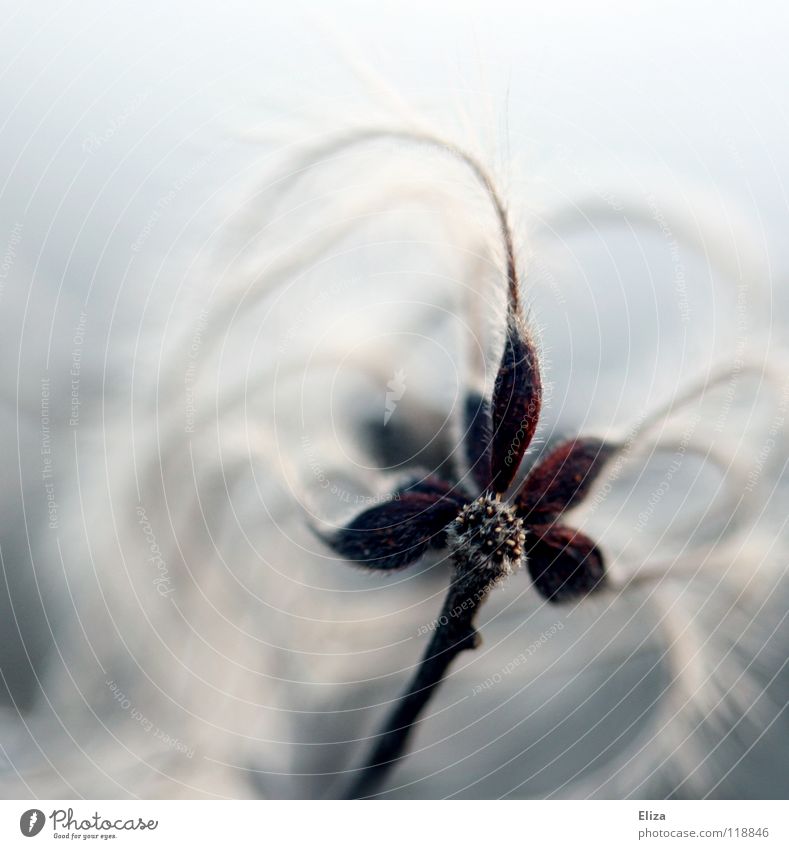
228, 311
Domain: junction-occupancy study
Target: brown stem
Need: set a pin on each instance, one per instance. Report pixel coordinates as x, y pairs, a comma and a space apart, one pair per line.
454, 633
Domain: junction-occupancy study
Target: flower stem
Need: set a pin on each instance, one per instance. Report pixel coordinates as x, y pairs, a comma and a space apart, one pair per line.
454, 633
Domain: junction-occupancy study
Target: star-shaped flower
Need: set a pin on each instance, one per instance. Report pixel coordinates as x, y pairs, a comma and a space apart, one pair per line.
484, 530
488, 531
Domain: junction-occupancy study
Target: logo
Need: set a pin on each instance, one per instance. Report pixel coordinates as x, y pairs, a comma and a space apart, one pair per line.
31, 822
65, 824
395, 391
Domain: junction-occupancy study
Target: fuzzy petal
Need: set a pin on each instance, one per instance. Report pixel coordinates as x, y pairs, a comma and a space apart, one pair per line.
562, 479
478, 438
564, 564
398, 532
517, 398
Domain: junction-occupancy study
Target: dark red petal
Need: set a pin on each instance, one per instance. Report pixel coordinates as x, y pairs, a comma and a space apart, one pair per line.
398, 532
562, 479
517, 397
564, 564
477, 439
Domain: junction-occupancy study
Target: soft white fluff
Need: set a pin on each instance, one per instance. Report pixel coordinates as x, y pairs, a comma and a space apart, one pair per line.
200, 640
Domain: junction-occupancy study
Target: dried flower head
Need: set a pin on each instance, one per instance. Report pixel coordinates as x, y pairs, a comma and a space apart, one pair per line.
488, 532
